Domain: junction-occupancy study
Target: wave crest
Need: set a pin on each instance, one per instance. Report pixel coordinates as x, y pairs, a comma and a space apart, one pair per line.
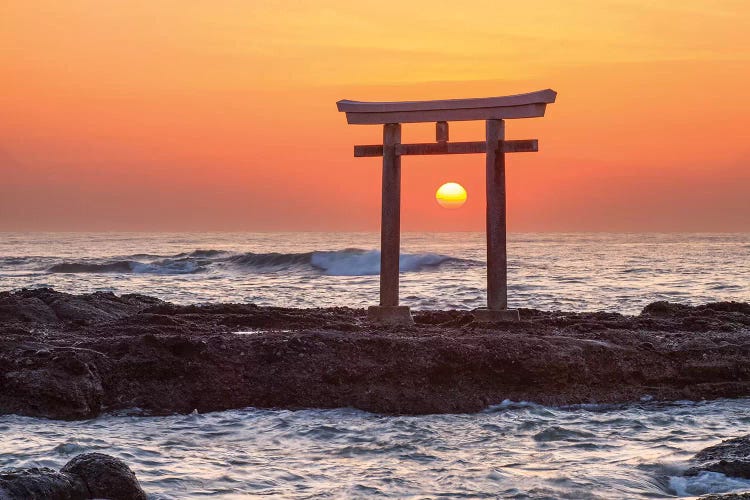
347, 262
355, 262
165, 266
272, 259
123, 266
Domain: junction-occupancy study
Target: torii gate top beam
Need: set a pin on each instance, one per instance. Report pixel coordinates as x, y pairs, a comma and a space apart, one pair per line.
531, 105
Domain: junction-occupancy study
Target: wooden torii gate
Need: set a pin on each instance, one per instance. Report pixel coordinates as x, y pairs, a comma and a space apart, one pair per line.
391, 115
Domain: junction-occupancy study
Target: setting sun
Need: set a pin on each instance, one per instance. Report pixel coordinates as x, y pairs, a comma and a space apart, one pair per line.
451, 195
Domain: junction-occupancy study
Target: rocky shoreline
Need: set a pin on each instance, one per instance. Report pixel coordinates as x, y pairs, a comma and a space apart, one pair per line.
77, 356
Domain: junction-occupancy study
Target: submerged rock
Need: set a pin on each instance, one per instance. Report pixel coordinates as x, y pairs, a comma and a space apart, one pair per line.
730, 457
75, 356
87, 476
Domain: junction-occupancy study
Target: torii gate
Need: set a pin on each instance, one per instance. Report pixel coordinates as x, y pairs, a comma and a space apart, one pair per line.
391, 115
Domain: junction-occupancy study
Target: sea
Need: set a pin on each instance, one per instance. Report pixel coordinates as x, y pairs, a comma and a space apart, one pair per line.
512, 449
571, 272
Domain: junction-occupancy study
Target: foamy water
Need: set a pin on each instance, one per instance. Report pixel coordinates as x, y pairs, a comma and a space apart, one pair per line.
616, 272
510, 451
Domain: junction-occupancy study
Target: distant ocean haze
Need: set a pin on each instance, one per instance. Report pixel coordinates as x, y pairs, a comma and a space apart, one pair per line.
576, 271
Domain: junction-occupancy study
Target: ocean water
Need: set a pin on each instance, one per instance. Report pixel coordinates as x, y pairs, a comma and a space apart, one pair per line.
511, 450
576, 272
508, 451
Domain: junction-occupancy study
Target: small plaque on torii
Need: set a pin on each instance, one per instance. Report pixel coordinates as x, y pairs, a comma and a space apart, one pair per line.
494, 110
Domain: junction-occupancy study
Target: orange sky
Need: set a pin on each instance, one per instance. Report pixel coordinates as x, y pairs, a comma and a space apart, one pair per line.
220, 115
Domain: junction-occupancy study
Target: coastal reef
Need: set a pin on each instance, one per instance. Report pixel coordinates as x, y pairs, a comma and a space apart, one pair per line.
68, 356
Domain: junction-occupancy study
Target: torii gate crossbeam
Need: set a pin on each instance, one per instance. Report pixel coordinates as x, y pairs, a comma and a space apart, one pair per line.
494, 110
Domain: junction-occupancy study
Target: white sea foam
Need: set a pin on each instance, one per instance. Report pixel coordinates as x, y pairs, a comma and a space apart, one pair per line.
167, 266
707, 482
359, 262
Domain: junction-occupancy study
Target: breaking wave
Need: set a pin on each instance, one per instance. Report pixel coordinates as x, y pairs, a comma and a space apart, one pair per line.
355, 262
705, 483
347, 262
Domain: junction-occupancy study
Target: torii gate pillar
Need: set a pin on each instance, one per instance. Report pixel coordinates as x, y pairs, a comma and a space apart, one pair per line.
390, 226
497, 254
494, 110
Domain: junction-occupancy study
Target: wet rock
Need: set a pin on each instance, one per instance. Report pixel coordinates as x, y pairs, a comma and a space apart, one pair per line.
44, 305
739, 307
66, 386
87, 476
75, 356
105, 477
730, 457
40, 483
663, 308
24, 309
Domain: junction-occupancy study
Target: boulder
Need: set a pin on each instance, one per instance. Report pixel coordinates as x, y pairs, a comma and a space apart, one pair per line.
105, 477
40, 483
87, 476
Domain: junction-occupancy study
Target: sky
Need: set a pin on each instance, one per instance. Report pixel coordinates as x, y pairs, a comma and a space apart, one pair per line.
220, 115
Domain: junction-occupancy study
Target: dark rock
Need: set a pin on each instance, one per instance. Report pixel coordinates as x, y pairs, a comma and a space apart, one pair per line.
44, 305
87, 476
75, 356
105, 477
663, 308
730, 457
68, 386
739, 307
17, 307
40, 483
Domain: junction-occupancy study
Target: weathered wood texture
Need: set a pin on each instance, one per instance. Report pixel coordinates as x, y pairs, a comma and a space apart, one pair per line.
455, 115
540, 96
448, 148
529, 105
390, 226
441, 132
497, 259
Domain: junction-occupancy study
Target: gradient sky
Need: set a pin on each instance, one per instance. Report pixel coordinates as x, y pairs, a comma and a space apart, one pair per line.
220, 115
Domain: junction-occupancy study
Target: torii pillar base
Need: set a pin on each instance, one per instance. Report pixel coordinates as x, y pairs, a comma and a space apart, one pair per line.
390, 315
484, 315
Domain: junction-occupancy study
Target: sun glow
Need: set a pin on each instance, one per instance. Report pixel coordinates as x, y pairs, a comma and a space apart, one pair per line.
451, 195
